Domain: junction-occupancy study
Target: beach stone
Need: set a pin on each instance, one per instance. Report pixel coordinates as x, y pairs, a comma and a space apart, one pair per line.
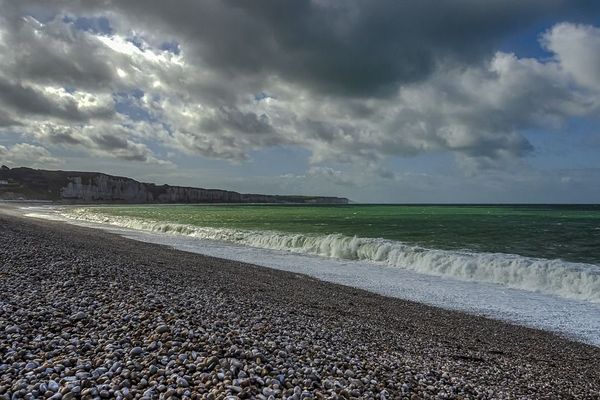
53, 386
82, 375
31, 365
78, 316
181, 382
236, 389
162, 329
136, 351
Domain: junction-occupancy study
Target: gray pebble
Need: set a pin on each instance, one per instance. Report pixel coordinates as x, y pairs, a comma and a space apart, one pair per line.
136, 351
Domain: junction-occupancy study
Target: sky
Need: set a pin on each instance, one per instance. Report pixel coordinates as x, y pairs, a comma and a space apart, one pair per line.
427, 101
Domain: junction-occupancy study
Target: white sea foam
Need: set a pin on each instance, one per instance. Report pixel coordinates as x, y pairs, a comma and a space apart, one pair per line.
566, 279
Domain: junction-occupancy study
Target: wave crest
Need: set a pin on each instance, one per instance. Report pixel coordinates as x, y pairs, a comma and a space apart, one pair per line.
566, 279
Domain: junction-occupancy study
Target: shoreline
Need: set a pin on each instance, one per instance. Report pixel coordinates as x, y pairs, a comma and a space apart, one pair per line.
291, 319
574, 319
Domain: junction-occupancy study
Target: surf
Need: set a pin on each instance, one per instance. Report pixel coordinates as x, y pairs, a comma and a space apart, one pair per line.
571, 280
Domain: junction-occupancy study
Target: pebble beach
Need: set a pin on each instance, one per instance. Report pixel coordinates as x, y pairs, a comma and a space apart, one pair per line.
86, 314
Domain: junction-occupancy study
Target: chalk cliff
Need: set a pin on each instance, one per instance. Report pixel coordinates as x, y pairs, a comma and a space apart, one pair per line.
90, 187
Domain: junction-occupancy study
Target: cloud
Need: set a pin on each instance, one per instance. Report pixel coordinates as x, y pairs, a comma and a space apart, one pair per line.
54, 52
54, 102
25, 154
354, 82
350, 48
479, 113
577, 48
103, 140
60, 86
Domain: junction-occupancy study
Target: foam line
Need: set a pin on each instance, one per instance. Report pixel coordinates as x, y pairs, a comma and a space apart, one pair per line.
566, 279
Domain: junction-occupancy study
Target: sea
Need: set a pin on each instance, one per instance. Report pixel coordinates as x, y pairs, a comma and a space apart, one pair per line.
536, 265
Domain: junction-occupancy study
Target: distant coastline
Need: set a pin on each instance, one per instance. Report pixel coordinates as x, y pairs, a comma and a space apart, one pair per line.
94, 187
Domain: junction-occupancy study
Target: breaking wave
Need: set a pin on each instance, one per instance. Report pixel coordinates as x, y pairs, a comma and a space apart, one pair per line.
566, 279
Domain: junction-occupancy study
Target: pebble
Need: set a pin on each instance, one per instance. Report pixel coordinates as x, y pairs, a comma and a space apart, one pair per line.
182, 382
136, 351
53, 386
161, 324
78, 316
11, 329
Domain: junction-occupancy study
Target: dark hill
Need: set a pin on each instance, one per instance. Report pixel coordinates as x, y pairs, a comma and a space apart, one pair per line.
74, 186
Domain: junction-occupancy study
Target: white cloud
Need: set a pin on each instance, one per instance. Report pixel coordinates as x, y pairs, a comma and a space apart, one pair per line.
28, 155
577, 49
99, 139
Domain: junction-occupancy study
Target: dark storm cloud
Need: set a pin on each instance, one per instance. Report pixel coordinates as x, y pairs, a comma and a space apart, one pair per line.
6, 119
350, 47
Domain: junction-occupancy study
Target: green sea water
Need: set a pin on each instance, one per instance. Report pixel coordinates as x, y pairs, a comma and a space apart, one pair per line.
566, 232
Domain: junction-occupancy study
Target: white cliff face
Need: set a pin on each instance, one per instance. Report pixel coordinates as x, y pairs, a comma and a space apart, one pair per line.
102, 187
106, 188
74, 186
193, 195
